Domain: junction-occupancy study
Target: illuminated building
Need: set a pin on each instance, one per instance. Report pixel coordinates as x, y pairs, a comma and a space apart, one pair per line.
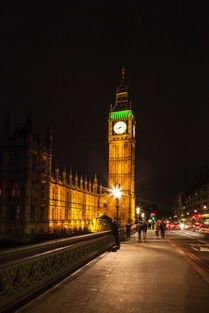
121, 138
196, 200
35, 199
25, 173
73, 202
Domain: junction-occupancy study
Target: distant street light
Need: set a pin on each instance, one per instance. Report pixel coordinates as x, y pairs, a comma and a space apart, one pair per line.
116, 192
138, 210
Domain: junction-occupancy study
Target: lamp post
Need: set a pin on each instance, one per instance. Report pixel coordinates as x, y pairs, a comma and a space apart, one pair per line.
117, 195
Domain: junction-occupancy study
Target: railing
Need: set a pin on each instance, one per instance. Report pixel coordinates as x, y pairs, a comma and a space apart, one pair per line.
22, 279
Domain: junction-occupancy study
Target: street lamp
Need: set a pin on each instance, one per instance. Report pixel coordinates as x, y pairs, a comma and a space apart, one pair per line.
138, 210
116, 191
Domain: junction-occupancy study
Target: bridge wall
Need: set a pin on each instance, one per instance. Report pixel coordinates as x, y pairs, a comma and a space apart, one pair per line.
23, 279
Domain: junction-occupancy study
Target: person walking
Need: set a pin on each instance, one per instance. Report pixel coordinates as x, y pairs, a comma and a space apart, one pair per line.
139, 231
116, 233
156, 228
162, 228
128, 230
144, 229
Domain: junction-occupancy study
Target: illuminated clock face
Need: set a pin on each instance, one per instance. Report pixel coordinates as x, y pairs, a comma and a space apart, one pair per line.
120, 127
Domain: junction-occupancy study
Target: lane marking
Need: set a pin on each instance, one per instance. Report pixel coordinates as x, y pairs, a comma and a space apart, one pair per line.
197, 245
187, 252
198, 264
203, 249
202, 241
195, 249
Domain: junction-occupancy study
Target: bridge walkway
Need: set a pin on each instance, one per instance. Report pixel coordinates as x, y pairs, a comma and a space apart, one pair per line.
148, 276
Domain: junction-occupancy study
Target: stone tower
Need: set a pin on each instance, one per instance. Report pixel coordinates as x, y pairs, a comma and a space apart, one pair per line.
121, 138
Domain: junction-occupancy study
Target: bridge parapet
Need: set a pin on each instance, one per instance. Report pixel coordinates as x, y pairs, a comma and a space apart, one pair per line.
22, 279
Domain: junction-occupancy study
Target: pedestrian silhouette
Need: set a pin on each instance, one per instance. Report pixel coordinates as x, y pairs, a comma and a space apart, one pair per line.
116, 233
156, 228
128, 230
139, 230
144, 229
162, 228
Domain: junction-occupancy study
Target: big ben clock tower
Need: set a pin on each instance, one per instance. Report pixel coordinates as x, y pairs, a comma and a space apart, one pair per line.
121, 138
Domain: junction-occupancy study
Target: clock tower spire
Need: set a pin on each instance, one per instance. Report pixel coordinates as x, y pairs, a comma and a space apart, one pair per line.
121, 100
121, 136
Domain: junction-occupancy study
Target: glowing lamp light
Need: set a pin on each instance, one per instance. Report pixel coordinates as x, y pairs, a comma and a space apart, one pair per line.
116, 192
138, 210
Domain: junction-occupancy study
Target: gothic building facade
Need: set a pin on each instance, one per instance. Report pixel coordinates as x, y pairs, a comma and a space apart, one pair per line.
73, 202
25, 173
35, 200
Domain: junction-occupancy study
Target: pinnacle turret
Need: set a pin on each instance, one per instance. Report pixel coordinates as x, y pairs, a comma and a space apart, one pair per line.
86, 184
70, 177
57, 173
76, 179
81, 182
64, 174
95, 183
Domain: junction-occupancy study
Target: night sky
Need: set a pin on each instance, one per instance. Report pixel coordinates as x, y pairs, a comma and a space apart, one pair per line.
62, 62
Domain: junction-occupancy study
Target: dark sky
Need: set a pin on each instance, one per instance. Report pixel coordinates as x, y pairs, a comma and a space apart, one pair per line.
63, 61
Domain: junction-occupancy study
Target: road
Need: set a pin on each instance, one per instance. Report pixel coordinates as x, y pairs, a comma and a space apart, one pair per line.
194, 243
